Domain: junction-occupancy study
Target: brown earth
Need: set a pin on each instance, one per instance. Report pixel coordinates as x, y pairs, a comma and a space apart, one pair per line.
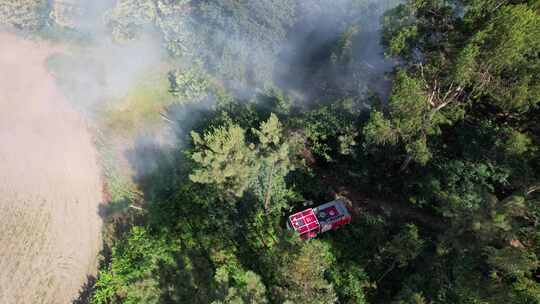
50, 185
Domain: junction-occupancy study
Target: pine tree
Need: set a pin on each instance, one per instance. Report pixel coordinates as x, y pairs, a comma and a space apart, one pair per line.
223, 159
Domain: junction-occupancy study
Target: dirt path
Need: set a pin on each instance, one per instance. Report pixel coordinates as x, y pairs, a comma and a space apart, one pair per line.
50, 184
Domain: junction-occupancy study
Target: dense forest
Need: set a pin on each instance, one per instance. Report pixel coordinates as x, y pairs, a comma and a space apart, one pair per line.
284, 104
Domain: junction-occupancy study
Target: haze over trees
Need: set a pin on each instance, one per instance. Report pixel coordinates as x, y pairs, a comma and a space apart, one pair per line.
442, 170
25, 14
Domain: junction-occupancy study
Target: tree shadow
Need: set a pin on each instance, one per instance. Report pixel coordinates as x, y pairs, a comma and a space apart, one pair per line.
157, 159
86, 291
188, 280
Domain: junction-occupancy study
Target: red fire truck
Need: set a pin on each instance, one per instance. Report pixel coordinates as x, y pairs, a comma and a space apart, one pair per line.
312, 221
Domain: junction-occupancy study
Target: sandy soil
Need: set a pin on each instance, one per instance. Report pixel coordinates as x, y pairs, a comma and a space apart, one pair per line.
50, 184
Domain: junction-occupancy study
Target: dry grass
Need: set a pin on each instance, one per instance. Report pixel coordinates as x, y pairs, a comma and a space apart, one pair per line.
50, 185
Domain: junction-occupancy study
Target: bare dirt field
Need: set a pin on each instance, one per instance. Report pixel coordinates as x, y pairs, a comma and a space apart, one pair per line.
50, 185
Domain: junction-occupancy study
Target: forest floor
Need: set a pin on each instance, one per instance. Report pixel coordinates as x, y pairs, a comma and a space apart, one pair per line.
391, 208
50, 184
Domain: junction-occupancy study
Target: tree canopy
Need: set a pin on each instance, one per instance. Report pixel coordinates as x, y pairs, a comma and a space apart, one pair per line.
279, 106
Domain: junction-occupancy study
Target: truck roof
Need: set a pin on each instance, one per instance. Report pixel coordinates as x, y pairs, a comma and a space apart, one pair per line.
304, 221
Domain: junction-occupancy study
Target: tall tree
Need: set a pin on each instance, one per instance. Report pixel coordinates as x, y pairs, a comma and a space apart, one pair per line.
275, 153
414, 114
458, 59
224, 159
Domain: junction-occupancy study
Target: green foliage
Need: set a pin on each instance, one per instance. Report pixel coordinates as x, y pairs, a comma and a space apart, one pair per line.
236, 41
274, 100
129, 278
508, 43
303, 274
350, 282
460, 186
329, 129
405, 246
24, 14
516, 144
410, 119
513, 36
276, 154
398, 29
465, 68
408, 106
399, 43
224, 159
189, 84
378, 130
239, 39
511, 260
526, 291
418, 151
347, 141
238, 286
121, 189
414, 298
129, 19
497, 60
461, 228
105, 289
271, 143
